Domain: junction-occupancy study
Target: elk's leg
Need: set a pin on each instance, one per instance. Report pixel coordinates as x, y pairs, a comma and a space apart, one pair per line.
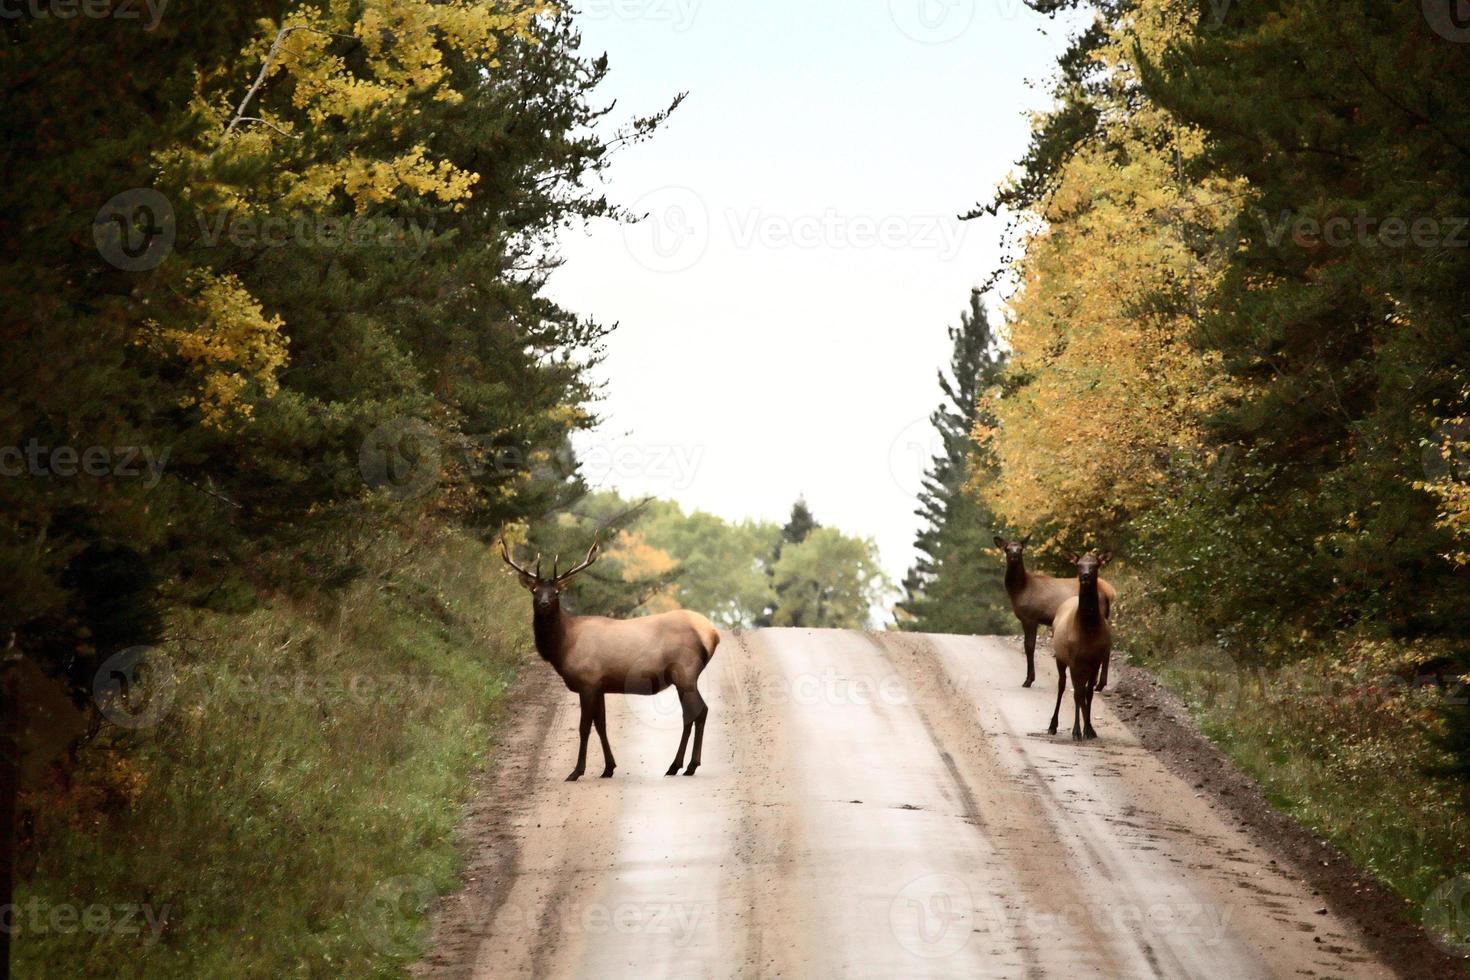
1030, 629
1061, 689
599, 718
1079, 695
583, 730
688, 706
1087, 730
1102, 684
700, 714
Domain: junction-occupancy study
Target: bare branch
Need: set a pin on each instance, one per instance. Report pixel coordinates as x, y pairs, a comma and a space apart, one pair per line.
265, 69
267, 122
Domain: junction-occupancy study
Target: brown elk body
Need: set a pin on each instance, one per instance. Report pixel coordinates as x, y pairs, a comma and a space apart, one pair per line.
1083, 643
1035, 600
596, 656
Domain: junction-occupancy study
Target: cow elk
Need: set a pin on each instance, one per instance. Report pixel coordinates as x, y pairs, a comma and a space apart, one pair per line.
1083, 643
596, 656
1035, 599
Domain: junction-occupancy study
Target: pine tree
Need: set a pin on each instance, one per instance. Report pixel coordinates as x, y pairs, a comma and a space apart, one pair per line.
957, 585
1344, 328
798, 528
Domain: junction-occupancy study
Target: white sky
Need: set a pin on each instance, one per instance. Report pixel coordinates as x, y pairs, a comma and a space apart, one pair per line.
783, 310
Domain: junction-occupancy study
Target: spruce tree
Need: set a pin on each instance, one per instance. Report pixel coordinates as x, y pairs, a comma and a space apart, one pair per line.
1343, 327
957, 584
798, 528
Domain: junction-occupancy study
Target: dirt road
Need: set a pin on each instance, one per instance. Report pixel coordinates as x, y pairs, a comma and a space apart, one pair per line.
871, 805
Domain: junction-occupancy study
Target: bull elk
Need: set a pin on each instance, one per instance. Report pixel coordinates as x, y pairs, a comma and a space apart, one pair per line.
1035, 599
1083, 643
596, 656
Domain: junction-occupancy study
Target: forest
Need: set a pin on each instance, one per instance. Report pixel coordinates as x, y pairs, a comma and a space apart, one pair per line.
282, 368
1234, 350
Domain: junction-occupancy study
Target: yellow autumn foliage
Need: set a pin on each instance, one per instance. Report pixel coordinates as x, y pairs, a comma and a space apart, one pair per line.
1450, 483
641, 561
404, 43
232, 345
1110, 385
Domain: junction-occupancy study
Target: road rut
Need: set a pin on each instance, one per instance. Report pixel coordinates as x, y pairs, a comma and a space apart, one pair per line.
870, 805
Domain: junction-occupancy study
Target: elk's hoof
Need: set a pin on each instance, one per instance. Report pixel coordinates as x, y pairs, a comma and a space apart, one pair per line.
673, 770
1052, 729
1089, 734
607, 773
1076, 735
1029, 682
575, 776
690, 771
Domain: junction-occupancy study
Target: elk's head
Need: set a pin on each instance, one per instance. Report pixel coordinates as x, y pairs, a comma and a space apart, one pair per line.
546, 592
1089, 565
1015, 548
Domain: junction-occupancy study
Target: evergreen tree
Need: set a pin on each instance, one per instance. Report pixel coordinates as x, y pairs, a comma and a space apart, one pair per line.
827, 581
430, 340
798, 528
1342, 320
957, 584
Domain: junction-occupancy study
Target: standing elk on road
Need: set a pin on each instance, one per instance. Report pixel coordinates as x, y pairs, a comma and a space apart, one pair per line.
1083, 643
596, 656
1036, 598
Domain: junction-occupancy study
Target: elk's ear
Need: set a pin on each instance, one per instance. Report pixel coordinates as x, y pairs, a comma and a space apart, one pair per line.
1104, 558
527, 582
1026, 540
1071, 556
1000, 542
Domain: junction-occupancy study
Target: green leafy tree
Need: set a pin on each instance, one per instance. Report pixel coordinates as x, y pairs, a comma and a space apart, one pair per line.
958, 584
1342, 327
828, 580
798, 527
406, 356
722, 565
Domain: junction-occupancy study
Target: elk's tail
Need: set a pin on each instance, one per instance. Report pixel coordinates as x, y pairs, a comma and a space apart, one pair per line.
708, 640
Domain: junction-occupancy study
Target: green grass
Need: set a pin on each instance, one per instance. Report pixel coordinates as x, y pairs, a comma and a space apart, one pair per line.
1337, 740
295, 808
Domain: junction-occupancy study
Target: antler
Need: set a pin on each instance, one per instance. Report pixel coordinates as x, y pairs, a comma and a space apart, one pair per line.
591, 557
505, 553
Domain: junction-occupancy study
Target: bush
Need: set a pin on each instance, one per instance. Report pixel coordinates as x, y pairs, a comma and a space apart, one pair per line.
313, 760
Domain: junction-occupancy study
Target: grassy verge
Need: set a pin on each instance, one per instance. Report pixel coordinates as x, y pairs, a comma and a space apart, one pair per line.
1345, 742
293, 810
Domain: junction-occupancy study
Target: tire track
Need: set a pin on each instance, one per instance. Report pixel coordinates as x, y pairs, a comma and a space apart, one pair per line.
870, 806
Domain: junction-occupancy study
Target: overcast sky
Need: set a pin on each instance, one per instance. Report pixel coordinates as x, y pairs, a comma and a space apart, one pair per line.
783, 309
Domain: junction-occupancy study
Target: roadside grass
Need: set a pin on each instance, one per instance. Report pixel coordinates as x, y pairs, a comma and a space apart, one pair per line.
293, 812
1344, 741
